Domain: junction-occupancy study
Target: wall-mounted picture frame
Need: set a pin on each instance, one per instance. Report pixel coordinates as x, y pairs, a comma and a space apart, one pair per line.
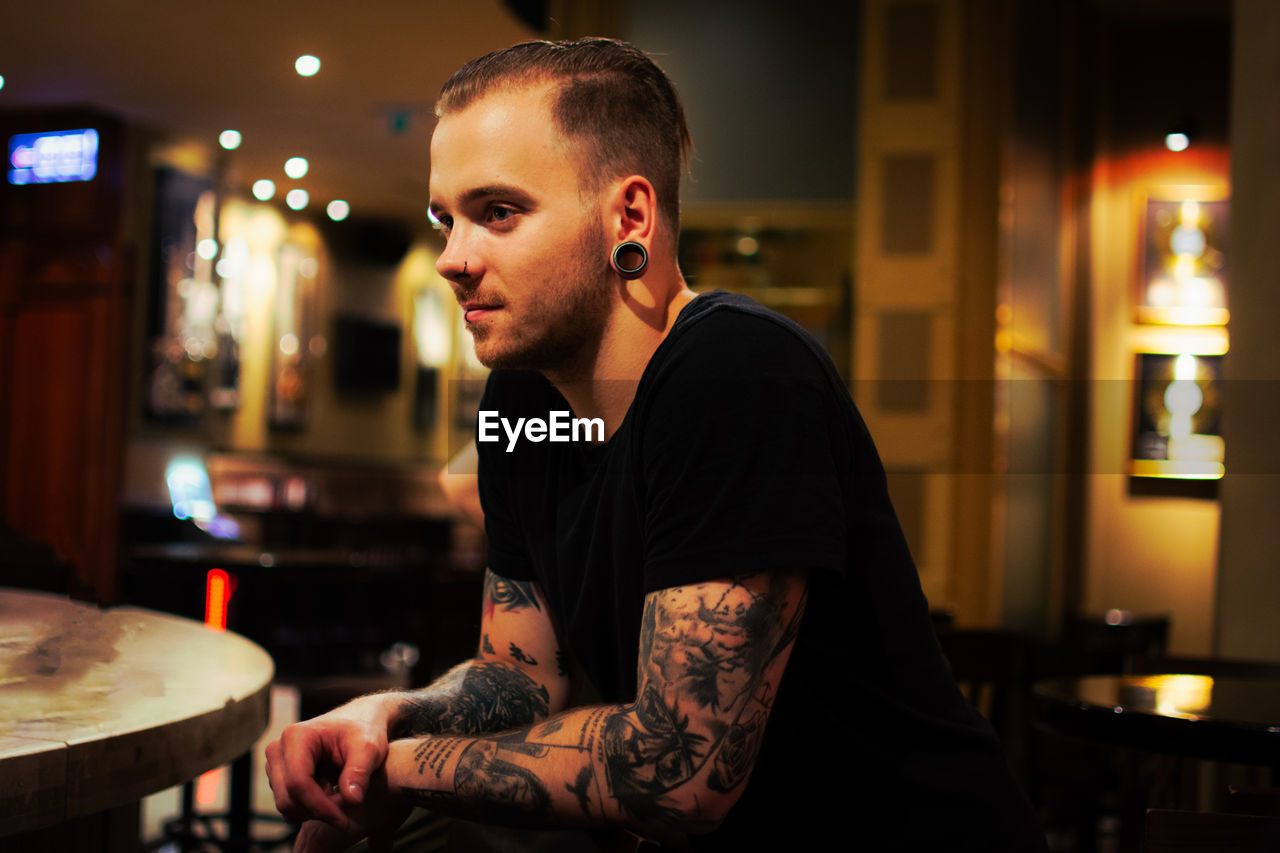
1177, 416
1183, 255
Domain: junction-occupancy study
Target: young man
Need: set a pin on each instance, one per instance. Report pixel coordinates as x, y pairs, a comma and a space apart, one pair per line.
723, 562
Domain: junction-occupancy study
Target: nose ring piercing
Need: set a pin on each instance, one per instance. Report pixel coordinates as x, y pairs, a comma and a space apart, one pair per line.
464, 267
630, 247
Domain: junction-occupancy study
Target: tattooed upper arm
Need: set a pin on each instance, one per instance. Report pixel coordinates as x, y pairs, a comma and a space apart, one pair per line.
508, 595
514, 679
711, 658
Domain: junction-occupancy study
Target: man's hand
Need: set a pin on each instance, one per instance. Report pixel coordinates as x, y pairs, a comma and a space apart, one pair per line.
378, 818
322, 768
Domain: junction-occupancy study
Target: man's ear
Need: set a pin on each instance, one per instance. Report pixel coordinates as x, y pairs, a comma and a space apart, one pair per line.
633, 213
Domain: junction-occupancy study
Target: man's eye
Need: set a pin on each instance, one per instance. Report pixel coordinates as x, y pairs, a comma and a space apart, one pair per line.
500, 214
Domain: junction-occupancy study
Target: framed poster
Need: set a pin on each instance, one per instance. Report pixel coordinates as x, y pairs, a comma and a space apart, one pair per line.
1177, 416
1182, 274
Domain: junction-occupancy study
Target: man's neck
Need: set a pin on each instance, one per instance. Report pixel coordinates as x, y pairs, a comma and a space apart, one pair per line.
641, 319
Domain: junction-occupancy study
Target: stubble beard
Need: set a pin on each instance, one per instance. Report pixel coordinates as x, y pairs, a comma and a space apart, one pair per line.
564, 318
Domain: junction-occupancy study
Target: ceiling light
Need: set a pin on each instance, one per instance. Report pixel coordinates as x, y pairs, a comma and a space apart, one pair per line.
207, 248
229, 139
1, 81
338, 210
307, 65
296, 167
264, 189
1176, 141
297, 199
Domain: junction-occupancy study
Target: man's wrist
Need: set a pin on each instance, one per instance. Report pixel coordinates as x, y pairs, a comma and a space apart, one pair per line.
392, 706
423, 764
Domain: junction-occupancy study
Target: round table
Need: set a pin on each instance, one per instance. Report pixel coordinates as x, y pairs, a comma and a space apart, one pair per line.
100, 707
1235, 720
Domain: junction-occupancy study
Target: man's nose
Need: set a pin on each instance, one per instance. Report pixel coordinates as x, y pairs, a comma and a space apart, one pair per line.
454, 264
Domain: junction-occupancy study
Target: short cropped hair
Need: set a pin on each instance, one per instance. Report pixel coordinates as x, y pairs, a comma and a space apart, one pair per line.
613, 101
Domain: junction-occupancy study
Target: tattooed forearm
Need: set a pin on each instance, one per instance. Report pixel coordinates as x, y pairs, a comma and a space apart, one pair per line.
484, 776
435, 753
674, 760
478, 697
581, 789
507, 594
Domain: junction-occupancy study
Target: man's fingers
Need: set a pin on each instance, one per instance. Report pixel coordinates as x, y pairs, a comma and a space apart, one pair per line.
318, 837
359, 763
302, 750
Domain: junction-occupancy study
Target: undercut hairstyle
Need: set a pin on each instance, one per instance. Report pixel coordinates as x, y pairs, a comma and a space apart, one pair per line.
613, 102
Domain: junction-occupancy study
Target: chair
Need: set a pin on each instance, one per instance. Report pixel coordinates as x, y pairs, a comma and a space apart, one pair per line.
990, 667
1144, 664
1085, 789
1254, 801
30, 564
942, 619
1170, 831
1113, 639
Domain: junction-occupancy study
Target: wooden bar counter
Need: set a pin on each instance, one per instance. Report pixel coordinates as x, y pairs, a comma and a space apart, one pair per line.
99, 708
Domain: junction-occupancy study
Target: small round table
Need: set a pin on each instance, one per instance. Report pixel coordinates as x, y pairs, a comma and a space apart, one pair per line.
1236, 720
100, 707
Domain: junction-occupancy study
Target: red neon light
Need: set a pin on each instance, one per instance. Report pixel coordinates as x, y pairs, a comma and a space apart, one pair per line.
207, 787
217, 593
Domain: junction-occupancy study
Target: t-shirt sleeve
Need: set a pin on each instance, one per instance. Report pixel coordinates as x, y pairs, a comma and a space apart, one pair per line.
739, 464
508, 553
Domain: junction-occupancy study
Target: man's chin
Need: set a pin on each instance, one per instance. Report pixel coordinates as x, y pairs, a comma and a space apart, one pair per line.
496, 358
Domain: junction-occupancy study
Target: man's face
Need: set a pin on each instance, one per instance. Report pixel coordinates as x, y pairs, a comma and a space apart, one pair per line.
526, 254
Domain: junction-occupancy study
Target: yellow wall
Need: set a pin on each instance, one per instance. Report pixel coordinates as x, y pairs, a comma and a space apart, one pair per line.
1146, 554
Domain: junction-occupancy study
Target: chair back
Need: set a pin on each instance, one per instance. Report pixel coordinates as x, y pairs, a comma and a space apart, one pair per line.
990, 667
1215, 667
1111, 641
1170, 831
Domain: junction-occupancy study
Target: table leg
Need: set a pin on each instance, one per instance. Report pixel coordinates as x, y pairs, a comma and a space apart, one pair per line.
240, 804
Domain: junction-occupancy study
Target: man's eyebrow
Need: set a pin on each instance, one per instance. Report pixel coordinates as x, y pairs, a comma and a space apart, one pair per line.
476, 193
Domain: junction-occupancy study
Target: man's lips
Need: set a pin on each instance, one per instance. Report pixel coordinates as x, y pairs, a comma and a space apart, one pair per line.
473, 311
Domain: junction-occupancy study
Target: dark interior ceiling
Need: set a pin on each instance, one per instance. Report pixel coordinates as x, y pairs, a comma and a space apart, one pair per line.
187, 71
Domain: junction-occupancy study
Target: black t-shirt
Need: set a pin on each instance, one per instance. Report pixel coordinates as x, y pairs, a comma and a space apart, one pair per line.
742, 452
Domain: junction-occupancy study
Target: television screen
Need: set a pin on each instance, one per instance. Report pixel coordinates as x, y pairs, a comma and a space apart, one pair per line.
366, 354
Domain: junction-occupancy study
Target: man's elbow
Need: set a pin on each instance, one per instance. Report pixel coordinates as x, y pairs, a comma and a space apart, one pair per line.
702, 808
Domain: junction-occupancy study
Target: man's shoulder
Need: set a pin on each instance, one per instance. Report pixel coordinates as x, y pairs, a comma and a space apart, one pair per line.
726, 333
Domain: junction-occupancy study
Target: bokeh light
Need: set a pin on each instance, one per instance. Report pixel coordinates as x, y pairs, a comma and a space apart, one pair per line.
307, 65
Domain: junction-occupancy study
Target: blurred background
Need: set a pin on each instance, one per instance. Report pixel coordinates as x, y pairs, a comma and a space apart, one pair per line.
1036, 237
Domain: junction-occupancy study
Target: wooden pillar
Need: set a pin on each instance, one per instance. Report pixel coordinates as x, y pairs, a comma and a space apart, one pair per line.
1249, 569
66, 275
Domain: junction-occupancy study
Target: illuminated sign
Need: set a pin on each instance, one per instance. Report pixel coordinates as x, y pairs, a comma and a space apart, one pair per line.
57, 156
